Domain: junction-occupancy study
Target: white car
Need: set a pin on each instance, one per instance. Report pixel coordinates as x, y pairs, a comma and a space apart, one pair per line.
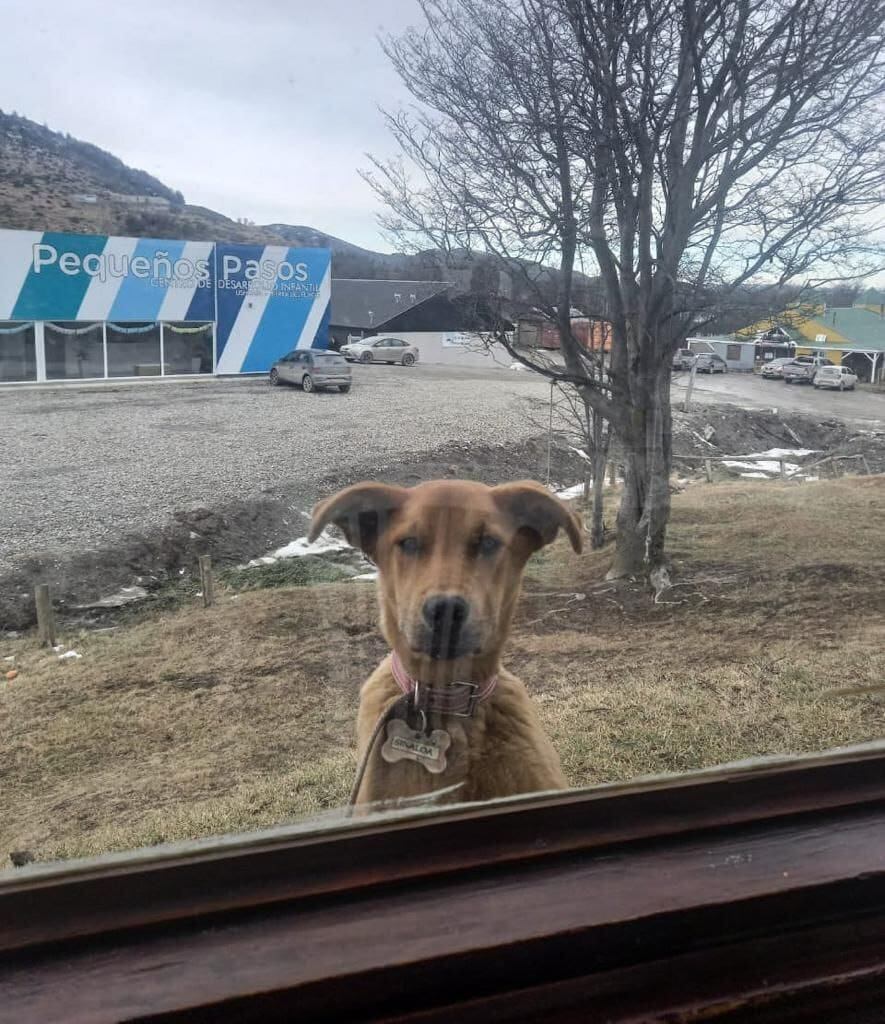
384, 349
841, 378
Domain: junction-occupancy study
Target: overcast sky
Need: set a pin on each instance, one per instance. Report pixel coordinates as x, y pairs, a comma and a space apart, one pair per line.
262, 110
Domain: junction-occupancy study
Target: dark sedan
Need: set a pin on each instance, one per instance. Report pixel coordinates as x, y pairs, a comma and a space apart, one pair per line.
709, 362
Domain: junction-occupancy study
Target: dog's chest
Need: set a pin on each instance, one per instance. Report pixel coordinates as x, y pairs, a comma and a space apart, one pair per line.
413, 761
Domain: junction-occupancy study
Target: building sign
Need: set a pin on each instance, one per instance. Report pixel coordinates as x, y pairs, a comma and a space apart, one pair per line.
264, 300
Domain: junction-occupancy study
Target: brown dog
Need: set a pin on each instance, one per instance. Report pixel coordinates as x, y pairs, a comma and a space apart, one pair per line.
450, 556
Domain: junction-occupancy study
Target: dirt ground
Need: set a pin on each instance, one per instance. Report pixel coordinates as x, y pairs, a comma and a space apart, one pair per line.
195, 721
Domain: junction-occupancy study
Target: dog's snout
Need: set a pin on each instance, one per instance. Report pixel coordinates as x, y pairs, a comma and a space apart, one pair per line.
443, 612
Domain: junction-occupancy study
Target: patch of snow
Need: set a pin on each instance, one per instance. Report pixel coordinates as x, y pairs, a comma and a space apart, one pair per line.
765, 465
366, 576
69, 656
570, 492
324, 544
756, 476
581, 452
321, 546
125, 595
517, 366
782, 453
263, 560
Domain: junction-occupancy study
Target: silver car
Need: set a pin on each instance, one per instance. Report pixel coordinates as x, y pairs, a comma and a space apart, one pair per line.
774, 370
312, 369
383, 349
839, 378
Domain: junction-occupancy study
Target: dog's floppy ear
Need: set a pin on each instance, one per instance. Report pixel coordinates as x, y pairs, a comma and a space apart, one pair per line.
361, 513
539, 513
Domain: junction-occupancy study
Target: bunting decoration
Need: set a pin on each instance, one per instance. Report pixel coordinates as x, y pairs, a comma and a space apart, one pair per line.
74, 330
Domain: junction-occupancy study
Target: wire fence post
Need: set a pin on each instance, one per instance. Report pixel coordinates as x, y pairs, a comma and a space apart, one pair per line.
45, 614
207, 583
687, 403
550, 432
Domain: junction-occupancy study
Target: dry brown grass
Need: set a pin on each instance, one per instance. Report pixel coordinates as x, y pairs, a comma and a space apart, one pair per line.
200, 722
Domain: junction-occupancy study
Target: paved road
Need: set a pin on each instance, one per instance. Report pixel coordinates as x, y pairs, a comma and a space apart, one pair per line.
752, 392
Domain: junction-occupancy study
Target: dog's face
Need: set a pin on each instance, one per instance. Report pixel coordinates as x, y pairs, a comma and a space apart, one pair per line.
450, 556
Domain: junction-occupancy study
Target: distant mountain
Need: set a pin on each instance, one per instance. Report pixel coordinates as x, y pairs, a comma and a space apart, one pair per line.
50, 181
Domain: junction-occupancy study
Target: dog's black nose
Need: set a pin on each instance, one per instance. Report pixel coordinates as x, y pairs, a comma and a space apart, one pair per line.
445, 614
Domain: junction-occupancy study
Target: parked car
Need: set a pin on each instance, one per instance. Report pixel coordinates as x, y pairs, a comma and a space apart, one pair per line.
799, 371
312, 369
684, 359
383, 349
840, 378
774, 370
709, 362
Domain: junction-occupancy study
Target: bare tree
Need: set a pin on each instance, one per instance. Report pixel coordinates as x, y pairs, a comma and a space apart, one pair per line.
681, 148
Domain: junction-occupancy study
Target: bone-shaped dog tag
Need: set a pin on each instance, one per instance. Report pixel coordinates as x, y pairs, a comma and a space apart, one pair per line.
405, 744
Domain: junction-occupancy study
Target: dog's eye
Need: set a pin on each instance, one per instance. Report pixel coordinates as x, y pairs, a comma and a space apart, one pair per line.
409, 545
487, 545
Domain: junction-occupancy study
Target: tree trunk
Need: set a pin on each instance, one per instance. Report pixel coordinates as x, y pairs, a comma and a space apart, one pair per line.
646, 441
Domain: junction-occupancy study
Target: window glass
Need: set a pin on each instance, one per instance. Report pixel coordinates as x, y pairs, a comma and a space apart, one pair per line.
133, 349
187, 348
627, 305
74, 350
18, 355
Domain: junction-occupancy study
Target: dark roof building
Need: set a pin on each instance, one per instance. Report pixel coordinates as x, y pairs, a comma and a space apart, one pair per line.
363, 307
372, 306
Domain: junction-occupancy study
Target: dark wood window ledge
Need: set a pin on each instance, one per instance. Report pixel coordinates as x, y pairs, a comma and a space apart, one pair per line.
749, 893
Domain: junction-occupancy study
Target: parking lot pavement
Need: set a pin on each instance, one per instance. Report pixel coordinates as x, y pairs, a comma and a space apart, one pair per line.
752, 392
83, 466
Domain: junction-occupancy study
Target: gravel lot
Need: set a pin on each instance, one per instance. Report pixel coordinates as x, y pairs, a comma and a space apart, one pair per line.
83, 467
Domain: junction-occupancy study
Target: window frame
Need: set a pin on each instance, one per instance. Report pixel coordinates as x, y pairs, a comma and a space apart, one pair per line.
773, 887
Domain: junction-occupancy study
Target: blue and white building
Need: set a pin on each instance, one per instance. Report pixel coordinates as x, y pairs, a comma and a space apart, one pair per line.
95, 307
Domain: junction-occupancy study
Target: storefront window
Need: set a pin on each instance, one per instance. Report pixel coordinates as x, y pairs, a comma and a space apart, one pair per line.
133, 350
73, 351
187, 348
17, 351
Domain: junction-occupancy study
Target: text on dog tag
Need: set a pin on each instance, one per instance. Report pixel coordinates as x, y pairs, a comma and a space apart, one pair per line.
406, 744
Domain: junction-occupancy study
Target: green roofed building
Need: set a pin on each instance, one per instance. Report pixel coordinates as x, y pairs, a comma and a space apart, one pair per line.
854, 335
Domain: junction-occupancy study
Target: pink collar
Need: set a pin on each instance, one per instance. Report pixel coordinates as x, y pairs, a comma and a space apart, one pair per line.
458, 699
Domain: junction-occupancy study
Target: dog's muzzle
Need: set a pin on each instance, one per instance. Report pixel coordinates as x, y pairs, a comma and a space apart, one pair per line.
446, 632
